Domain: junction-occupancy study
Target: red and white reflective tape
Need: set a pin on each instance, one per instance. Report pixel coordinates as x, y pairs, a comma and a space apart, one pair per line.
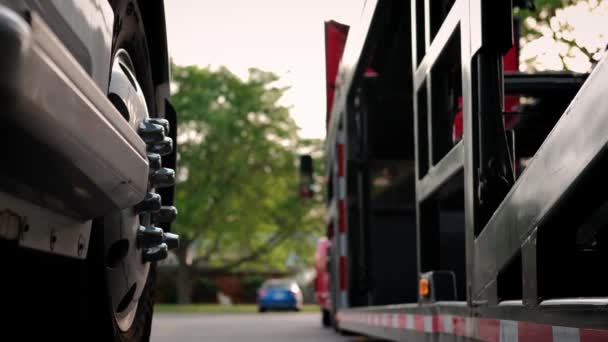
483, 329
342, 234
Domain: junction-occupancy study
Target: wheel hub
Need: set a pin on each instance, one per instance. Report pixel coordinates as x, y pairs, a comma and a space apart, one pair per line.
132, 240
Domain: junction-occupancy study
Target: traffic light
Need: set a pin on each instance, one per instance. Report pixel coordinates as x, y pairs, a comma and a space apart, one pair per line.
306, 176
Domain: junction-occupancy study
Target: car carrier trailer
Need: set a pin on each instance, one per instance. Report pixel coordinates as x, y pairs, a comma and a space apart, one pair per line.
458, 211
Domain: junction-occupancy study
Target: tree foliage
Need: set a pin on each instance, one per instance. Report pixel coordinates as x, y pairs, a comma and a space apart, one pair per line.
237, 173
563, 34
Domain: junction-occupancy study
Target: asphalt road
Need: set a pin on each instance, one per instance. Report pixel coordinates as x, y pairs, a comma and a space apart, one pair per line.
275, 327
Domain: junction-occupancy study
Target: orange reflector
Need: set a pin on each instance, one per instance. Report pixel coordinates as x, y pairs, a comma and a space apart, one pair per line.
424, 287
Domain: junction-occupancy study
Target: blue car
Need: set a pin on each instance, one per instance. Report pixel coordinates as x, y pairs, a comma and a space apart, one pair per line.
279, 294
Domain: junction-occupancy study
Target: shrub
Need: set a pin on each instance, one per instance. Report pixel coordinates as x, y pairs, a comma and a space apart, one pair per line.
166, 291
204, 291
251, 284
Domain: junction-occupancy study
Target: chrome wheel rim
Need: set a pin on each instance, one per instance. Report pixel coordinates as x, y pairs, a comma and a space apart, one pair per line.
126, 272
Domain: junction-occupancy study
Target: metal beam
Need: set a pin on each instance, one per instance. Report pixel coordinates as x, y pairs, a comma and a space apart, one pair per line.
469, 153
577, 140
450, 165
444, 34
543, 83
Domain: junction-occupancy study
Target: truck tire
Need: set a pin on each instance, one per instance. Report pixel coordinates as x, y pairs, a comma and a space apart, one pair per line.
100, 316
133, 320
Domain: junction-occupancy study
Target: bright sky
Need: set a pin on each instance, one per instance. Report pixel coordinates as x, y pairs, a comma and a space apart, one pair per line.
287, 37
282, 36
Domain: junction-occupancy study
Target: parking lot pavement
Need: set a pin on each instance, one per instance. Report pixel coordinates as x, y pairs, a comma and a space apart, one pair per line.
276, 327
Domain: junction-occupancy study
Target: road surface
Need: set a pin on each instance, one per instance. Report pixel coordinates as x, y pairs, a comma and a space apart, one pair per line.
275, 327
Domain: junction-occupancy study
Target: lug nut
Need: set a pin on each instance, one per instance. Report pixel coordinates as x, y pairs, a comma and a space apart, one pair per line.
163, 178
162, 122
151, 132
162, 147
155, 254
151, 203
171, 240
154, 161
148, 237
166, 214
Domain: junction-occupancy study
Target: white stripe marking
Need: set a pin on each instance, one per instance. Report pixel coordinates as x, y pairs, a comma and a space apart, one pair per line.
395, 321
342, 243
508, 331
341, 188
428, 323
470, 327
448, 324
566, 334
409, 322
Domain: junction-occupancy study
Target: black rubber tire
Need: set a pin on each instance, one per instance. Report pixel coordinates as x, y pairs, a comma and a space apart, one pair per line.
100, 317
325, 318
261, 309
129, 34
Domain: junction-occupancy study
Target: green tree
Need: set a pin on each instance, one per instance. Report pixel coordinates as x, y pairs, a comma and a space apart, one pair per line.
237, 175
563, 34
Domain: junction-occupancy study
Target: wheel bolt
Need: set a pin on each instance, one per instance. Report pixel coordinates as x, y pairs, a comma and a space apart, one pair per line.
162, 147
162, 122
150, 132
155, 254
151, 203
172, 240
162, 178
149, 237
154, 161
166, 214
